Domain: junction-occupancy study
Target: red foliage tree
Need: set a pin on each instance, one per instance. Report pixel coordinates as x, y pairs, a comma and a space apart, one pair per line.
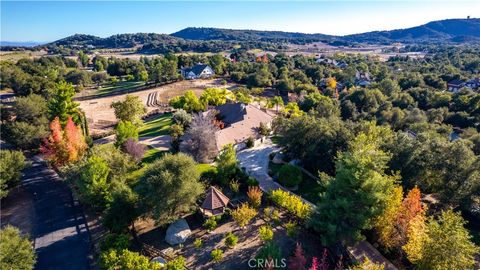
314, 264
411, 207
63, 146
324, 262
298, 260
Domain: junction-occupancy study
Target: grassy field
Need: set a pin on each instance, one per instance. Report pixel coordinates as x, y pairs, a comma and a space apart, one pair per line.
156, 126
118, 87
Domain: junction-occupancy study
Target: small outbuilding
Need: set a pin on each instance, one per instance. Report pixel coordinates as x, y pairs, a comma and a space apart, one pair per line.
215, 203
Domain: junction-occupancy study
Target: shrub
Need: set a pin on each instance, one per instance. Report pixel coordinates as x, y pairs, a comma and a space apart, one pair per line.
210, 224
135, 149
250, 142
234, 186
254, 196
217, 255
272, 214
231, 240
198, 243
16, 250
176, 264
243, 214
289, 175
291, 203
252, 182
115, 241
263, 129
125, 130
126, 259
270, 251
266, 233
11, 165
291, 228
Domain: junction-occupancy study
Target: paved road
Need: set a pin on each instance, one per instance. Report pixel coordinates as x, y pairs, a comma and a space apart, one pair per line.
255, 161
59, 230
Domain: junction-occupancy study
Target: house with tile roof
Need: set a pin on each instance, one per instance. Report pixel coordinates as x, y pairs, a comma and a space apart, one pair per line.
241, 121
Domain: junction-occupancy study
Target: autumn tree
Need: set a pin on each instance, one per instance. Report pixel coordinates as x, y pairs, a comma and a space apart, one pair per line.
298, 260
131, 109
411, 207
416, 239
64, 146
254, 196
386, 223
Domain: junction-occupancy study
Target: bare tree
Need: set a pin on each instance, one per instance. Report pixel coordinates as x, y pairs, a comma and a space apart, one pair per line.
199, 139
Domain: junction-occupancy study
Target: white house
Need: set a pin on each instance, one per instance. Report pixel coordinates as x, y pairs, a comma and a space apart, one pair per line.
198, 71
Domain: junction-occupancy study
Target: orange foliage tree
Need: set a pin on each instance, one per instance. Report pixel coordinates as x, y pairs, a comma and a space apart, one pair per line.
63, 146
411, 207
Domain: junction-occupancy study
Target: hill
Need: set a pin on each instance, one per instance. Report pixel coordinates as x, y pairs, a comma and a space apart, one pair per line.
452, 30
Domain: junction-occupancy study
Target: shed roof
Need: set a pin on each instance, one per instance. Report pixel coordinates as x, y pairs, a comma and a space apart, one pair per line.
215, 199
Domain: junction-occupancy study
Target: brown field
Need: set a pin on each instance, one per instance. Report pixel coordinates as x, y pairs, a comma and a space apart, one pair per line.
101, 116
17, 55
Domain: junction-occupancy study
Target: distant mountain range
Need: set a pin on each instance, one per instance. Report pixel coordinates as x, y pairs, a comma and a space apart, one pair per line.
452, 30
21, 43
216, 39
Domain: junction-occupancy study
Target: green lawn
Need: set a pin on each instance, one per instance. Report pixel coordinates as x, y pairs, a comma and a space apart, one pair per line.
151, 155
159, 125
119, 87
309, 188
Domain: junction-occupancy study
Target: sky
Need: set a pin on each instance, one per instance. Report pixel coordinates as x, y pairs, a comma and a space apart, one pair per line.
49, 21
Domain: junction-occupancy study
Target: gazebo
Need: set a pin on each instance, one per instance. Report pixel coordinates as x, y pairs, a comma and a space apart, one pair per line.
215, 203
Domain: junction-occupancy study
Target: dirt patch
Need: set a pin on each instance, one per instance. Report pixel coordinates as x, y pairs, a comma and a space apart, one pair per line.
101, 117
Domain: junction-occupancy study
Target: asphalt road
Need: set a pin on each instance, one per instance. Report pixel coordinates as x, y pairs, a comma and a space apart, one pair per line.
60, 233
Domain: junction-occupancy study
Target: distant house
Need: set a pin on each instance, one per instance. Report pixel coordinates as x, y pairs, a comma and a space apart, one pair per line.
241, 121
198, 71
473, 83
362, 79
455, 85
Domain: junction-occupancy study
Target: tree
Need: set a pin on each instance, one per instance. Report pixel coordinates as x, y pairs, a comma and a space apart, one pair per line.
25, 135
199, 138
189, 102
270, 254
131, 109
181, 117
122, 210
11, 165
275, 101
214, 96
243, 215
227, 163
125, 130
368, 265
169, 187
410, 208
64, 146
31, 109
360, 183
298, 260
17, 250
254, 196
292, 110
126, 260
386, 223
94, 183
449, 245
417, 238
135, 149
61, 104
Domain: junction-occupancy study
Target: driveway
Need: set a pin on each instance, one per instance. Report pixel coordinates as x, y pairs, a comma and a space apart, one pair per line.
255, 161
60, 234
